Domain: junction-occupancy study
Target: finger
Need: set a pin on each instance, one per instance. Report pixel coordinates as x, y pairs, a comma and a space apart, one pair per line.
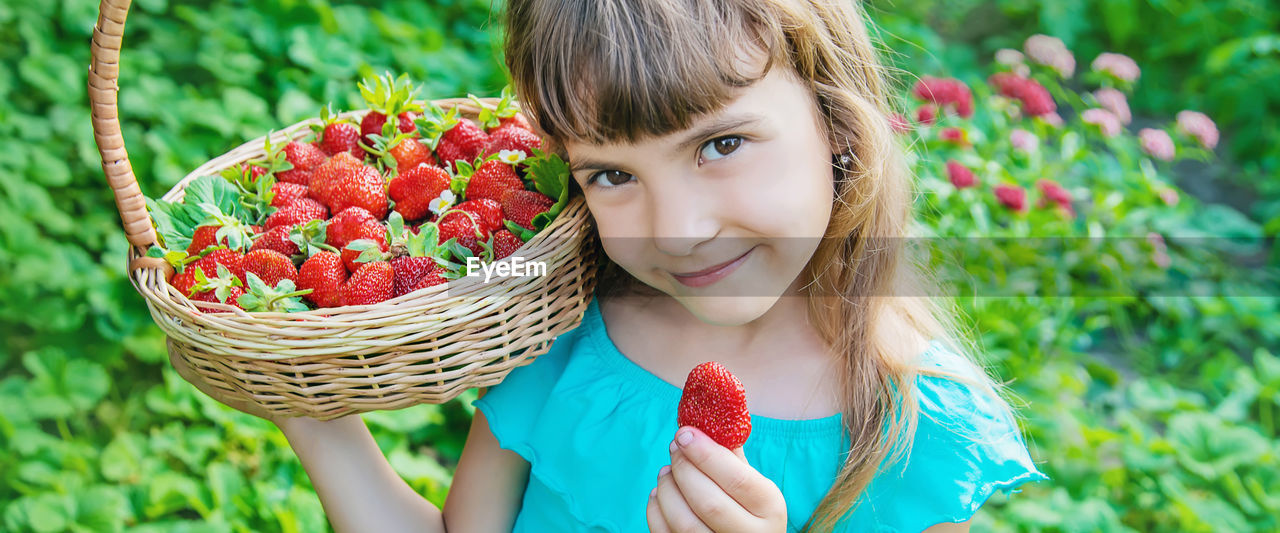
675, 510
653, 514
707, 500
731, 472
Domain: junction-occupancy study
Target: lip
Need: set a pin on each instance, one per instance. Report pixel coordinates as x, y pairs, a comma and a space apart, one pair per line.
711, 275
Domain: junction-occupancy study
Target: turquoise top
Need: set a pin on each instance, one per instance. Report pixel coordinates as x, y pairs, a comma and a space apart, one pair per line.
595, 428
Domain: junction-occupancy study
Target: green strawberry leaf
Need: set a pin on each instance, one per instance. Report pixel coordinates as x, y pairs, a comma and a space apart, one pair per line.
520, 231
283, 298
550, 176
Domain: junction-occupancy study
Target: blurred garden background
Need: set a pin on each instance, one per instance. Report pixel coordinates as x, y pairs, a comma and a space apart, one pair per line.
1147, 373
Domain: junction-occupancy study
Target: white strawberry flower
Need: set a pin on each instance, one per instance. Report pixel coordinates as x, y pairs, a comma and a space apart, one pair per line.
511, 157
442, 203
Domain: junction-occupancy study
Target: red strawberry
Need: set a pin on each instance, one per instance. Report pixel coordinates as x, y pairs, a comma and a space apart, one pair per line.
234, 294
286, 193
270, 266
370, 232
492, 180
304, 157
371, 284
464, 227
338, 137
516, 120
521, 206
204, 237
410, 153
299, 211
715, 402
373, 122
487, 212
360, 186
276, 239
344, 227
231, 259
414, 189
451, 137
388, 96
325, 177
413, 273
184, 281
324, 274
511, 138
505, 243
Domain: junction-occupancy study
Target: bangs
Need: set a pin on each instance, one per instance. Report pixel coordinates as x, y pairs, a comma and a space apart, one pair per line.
608, 71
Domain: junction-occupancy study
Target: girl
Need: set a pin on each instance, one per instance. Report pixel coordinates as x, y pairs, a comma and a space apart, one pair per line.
750, 198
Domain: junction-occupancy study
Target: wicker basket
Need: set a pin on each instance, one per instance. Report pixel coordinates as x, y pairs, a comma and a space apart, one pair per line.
424, 347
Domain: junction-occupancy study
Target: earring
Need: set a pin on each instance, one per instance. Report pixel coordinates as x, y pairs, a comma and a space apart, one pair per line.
842, 162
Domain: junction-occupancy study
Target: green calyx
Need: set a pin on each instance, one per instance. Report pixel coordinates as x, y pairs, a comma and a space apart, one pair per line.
283, 298
382, 145
220, 285
491, 115
550, 176
310, 238
238, 235
434, 123
390, 96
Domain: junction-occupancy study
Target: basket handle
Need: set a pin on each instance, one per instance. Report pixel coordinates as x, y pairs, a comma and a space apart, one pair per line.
104, 70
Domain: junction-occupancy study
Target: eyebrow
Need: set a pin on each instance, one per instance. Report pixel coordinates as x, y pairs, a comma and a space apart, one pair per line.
717, 125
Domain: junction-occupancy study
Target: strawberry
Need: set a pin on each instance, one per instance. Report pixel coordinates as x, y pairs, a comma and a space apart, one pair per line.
270, 266
374, 236
521, 206
414, 189
324, 274
360, 186
386, 97
286, 193
491, 179
233, 294
231, 259
410, 153
184, 281
413, 273
300, 211
464, 227
504, 113
504, 243
344, 227
512, 138
225, 287
338, 135
516, 121
371, 284
279, 298
488, 213
715, 402
452, 138
204, 237
326, 176
304, 157
277, 239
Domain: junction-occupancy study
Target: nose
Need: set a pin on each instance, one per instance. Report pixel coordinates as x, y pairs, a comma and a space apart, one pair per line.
683, 216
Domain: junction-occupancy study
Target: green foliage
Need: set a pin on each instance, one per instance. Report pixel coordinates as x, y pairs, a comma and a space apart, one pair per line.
1151, 411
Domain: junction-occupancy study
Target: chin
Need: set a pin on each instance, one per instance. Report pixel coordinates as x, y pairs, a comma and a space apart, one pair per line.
727, 311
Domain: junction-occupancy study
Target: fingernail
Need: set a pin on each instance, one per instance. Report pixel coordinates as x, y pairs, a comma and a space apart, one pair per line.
653, 492
673, 446
664, 470
684, 437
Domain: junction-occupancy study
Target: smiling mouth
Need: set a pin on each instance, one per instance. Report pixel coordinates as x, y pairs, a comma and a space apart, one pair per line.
712, 274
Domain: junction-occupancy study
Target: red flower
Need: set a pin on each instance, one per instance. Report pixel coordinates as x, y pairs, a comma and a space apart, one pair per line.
927, 114
899, 123
1012, 196
946, 93
960, 175
954, 136
1036, 100
1054, 192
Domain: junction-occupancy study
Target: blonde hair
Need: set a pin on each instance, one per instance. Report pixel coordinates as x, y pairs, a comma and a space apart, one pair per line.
600, 71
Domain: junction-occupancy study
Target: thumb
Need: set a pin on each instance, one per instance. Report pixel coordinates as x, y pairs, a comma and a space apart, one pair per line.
741, 455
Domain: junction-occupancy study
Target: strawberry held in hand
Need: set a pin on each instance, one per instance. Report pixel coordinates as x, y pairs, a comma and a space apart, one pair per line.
715, 402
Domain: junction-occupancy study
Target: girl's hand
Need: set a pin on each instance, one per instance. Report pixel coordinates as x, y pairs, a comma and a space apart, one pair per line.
708, 488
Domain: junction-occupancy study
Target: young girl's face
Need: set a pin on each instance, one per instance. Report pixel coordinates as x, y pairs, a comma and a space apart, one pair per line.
749, 186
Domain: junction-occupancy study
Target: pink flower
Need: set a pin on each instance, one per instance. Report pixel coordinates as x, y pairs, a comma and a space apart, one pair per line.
946, 93
1050, 52
1009, 57
1169, 197
1012, 196
1103, 119
954, 136
1054, 192
960, 175
1052, 119
1160, 252
1036, 100
1156, 143
1120, 66
1114, 101
927, 114
1200, 126
899, 123
1023, 140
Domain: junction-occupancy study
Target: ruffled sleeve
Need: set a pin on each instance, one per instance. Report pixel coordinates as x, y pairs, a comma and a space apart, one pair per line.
966, 448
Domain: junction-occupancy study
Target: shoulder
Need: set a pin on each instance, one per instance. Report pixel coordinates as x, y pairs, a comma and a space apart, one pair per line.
966, 447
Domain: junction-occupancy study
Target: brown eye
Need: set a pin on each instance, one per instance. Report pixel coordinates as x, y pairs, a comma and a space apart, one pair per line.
720, 147
611, 178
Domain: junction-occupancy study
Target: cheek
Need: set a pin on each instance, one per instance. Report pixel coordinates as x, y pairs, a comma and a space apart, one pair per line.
788, 197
